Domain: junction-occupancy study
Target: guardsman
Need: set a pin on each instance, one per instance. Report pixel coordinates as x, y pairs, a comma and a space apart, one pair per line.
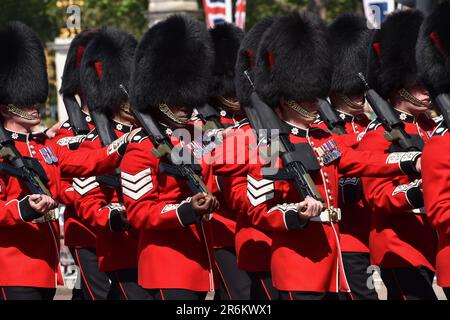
349, 42
235, 284
172, 71
432, 54
402, 242
29, 237
105, 72
78, 236
306, 261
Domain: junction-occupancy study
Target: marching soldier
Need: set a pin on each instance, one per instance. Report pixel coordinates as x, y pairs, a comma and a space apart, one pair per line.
172, 71
29, 237
432, 54
104, 75
349, 42
252, 244
306, 260
78, 236
235, 283
402, 241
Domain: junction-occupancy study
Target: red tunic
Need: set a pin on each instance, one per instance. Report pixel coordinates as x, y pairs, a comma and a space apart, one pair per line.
355, 224
175, 249
29, 252
399, 236
252, 244
309, 259
436, 192
116, 250
76, 234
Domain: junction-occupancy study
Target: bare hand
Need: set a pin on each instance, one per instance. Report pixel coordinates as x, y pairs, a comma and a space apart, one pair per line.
204, 204
42, 203
419, 165
51, 132
309, 208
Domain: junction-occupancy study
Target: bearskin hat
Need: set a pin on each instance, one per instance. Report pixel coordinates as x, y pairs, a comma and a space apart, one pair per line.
23, 68
293, 60
433, 50
349, 43
70, 84
246, 59
173, 65
226, 39
105, 70
392, 59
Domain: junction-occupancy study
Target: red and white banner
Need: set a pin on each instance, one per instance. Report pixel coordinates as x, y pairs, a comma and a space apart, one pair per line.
239, 15
220, 11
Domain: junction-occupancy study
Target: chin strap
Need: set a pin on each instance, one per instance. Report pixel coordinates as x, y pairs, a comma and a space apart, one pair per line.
406, 95
232, 105
164, 108
20, 113
300, 110
351, 103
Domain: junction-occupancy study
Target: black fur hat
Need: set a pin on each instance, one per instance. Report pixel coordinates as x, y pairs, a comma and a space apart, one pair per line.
173, 65
293, 60
23, 69
433, 50
226, 39
349, 43
246, 59
105, 70
392, 58
70, 84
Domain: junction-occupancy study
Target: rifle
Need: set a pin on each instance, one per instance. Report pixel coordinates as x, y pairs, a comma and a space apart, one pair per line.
76, 118
298, 159
395, 128
330, 118
27, 169
442, 101
164, 150
210, 116
107, 136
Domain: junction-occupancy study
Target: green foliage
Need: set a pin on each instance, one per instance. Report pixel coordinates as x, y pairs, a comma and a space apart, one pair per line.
125, 14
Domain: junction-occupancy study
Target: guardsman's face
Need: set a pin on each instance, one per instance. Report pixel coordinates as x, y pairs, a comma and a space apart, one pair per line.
25, 123
422, 95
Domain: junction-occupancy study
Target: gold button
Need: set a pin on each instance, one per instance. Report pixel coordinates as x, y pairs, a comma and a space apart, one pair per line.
331, 198
327, 180
329, 191
311, 143
325, 174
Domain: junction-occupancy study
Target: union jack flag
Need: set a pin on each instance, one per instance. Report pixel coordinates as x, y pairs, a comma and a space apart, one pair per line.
239, 15
220, 11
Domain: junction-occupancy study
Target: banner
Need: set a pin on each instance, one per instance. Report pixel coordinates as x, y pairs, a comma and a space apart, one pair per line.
377, 10
220, 11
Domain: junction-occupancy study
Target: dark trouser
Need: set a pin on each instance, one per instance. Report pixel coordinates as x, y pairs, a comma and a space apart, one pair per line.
357, 272
235, 284
262, 287
303, 295
175, 294
26, 293
124, 286
95, 284
447, 292
410, 283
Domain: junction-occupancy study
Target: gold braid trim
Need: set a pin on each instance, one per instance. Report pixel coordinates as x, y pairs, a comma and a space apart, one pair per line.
351, 103
300, 110
164, 108
410, 98
230, 104
19, 112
